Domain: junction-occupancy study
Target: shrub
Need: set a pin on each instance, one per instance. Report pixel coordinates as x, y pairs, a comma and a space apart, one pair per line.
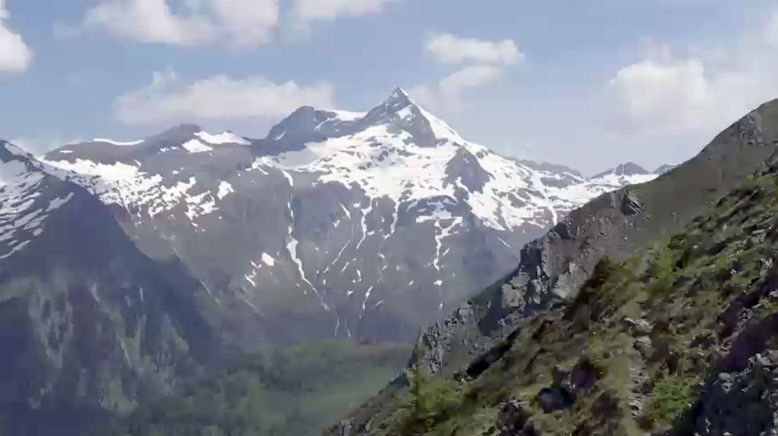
672, 395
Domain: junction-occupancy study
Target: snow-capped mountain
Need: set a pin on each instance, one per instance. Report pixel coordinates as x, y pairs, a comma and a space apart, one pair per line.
337, 223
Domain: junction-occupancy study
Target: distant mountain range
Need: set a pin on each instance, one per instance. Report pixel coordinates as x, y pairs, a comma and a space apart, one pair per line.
126, 267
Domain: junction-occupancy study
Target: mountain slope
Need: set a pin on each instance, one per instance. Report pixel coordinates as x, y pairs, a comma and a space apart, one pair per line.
616, 225
619, 223
681, 338
337, 224
89, 324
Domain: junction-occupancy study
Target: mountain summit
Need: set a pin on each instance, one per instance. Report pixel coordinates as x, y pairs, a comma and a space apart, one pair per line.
398, 113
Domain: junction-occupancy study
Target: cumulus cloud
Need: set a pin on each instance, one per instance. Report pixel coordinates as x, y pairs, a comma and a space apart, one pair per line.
306, 11
191, 22
15, 56
170, 99
664, 93
672, 93
451, 49
485, 63
447, 93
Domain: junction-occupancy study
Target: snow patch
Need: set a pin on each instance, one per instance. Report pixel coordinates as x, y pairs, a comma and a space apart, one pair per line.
225, 189
222, 138
119, 143
196, 146
268, 260
58, 202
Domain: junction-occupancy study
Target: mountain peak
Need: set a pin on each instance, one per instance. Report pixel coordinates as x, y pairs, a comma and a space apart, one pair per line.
402, 112
9, 152
179, 131
399, 95
625, 169
630, 169
398, 100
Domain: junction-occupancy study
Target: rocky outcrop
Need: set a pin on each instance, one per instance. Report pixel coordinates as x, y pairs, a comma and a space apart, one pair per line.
742, 402
513, 420
630, 204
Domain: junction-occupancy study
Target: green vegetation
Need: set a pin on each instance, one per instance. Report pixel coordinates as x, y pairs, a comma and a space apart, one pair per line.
671, 396
431, 400
294, 392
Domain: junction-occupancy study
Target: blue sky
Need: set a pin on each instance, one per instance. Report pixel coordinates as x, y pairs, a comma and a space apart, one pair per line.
585, 83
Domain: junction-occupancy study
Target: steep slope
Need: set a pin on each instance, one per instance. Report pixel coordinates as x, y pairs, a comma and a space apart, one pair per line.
89, 324
618, 224
337, 224
679, 339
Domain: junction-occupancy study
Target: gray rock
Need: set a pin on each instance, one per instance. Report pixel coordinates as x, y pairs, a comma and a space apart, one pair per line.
512, 418
630, 204
638, 327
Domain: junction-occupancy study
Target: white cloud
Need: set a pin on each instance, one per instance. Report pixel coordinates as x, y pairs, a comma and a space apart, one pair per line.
699, 93
447, 93
192, 22
305, 11
248, 22
169, 99
451, 49
15, 56
675, 94
487, 62
470, 77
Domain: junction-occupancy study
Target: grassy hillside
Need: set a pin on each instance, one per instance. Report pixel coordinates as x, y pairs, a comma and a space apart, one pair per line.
654, 343
294, 392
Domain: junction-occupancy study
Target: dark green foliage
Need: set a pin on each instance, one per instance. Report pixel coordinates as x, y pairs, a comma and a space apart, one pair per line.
661, 271
432, 400
672, 395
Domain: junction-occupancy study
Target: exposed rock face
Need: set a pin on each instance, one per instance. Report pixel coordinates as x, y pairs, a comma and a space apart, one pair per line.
464, 169
742, 396
630, 204
742, 402
512, 420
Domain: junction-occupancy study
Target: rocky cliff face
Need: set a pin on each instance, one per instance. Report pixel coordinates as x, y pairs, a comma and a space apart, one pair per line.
554, 267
